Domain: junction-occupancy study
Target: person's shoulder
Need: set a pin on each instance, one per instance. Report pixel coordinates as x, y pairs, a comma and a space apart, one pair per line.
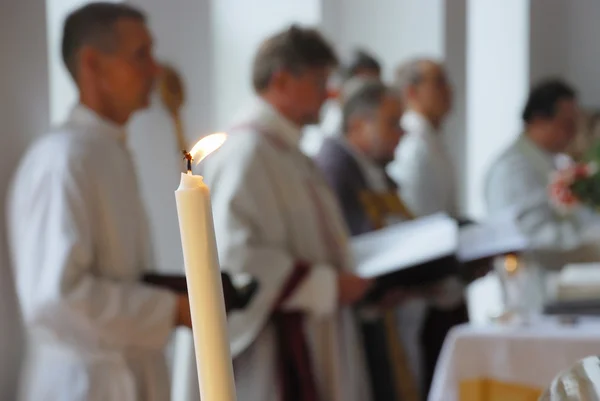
508, 163
60, 144
243, 150
331, 154
56, 159
336, 163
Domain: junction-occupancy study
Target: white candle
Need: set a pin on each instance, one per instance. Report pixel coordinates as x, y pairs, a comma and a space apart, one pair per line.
207, 305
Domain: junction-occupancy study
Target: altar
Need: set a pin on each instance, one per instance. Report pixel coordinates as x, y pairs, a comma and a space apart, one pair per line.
517, 363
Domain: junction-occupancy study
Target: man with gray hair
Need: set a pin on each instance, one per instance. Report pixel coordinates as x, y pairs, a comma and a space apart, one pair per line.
422, 167
354, 165
277, 220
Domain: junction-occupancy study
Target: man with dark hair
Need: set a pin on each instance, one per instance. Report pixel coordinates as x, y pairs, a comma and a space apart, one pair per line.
276, 219
93, 25
362, 64
78, 236
519, 178
422, 166
354, 165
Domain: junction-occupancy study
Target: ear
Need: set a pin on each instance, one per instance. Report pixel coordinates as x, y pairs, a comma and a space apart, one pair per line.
89, 61
357, 124
280, 79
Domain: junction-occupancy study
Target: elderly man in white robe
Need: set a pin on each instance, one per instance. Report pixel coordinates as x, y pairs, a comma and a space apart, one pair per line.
277, 220
422, 167
518, 180
78, 235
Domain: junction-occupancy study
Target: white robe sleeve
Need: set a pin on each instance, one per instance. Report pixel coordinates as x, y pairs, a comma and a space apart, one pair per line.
51, 227
513, 185
252, 238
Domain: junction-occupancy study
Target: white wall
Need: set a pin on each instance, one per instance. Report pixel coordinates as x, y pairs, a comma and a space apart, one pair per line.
455, 61
23, 115
394, 30
238, 26
498, 78
548, 38
582, 52
564, 42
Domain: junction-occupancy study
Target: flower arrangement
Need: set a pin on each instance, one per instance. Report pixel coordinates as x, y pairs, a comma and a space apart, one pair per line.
578, 184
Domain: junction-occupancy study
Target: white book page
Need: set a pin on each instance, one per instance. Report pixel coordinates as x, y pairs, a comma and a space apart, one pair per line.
404, 245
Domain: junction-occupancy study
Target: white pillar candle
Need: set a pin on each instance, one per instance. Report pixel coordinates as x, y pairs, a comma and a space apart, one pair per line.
207, 305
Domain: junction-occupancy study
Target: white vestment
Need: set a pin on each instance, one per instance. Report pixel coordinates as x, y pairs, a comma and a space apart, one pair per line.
423, 170
273, 209
518, 181
79, 243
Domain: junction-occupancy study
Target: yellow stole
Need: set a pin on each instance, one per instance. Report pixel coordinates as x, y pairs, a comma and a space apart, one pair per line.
380, 206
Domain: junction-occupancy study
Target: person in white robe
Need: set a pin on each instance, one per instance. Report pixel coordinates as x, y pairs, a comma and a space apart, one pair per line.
277, 220
361, 65
79, 241
518, 180
422, 166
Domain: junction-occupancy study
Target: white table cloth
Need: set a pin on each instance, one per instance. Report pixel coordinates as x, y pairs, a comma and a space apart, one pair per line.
489, 363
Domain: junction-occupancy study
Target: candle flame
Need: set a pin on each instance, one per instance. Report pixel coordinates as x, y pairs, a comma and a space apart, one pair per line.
207, 145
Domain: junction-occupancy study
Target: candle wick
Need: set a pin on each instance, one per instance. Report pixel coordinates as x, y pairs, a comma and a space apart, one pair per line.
188, 158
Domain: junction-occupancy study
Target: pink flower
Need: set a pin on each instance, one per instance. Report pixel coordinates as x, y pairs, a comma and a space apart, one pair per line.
559, 188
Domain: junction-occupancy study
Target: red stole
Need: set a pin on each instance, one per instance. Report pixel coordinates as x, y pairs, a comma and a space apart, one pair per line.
295, 372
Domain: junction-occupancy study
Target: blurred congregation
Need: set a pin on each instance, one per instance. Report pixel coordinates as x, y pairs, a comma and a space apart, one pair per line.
396, 133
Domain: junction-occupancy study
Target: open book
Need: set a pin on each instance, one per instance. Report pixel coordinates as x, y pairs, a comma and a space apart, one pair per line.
433, 245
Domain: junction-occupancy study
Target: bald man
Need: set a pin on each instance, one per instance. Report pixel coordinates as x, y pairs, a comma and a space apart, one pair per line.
422, 167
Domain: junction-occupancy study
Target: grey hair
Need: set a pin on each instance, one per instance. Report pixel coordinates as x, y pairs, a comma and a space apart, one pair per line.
409, 74
363, 99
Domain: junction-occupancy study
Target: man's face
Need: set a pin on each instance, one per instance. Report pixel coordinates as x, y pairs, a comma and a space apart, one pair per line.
127, 75
432, 93
306, 92
383, 131
562, 128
